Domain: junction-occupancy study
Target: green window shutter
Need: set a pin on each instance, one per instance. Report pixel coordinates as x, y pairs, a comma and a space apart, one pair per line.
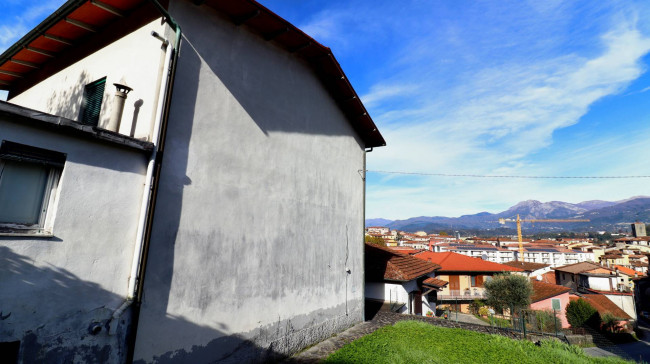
92, 102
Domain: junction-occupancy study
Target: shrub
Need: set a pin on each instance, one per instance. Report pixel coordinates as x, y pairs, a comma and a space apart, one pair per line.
544, 320
580, 313
475, 306
484, 311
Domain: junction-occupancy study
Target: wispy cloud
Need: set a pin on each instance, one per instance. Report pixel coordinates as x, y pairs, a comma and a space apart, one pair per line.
496, 119
20, 17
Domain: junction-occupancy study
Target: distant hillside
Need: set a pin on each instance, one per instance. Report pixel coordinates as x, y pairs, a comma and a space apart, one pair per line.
377, 222
603, 215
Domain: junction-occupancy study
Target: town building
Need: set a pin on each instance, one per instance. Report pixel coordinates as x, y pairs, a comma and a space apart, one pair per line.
465, 276
550, 297
398, 282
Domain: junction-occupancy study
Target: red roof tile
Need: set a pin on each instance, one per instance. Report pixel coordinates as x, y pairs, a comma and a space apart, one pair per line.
385, 264
627, 271
542, 291
454, 262
526, 266
435, 282
603, 305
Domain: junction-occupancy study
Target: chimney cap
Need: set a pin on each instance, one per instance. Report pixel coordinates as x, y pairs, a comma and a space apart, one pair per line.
123, 87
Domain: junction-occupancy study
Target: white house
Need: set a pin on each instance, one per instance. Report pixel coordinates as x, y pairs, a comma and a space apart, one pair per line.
197, 157
400, 283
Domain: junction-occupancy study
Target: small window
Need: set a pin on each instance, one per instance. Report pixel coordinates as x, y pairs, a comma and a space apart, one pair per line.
92, 102
29, 177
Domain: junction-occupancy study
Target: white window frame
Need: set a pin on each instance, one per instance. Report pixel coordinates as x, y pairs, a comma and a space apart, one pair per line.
44, 226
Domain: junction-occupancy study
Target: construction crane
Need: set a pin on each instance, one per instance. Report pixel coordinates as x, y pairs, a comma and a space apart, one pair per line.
502, 221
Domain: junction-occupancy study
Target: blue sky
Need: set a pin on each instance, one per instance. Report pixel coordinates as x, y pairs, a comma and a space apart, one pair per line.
481, 87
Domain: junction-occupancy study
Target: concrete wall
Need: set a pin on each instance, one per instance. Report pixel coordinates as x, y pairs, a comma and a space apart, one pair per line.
260, 208
56, 288
134, 59
625, 303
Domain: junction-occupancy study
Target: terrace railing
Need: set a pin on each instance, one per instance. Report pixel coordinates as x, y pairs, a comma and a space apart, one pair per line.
466, 294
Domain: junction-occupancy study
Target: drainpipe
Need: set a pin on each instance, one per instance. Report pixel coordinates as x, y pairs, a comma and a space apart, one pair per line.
146, 198
136, 281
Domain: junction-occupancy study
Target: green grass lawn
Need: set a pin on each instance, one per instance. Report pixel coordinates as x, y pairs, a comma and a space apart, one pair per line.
419, 342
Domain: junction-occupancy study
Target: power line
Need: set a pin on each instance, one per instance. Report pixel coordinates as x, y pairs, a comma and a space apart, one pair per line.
503, 176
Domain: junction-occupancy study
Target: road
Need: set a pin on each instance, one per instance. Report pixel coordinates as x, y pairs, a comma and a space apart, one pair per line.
640, 350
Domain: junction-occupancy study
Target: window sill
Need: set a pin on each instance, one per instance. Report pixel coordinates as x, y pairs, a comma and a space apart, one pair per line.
35, 233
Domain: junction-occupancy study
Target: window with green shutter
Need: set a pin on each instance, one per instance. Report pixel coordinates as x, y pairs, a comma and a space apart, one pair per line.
92, 102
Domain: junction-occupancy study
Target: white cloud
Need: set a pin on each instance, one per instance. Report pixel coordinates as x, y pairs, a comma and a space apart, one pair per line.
494, 122
14, 27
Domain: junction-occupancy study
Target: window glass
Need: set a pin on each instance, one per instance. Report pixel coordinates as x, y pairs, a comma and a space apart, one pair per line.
22, 189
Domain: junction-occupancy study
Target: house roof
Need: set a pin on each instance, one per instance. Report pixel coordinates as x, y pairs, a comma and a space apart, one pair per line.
454, 262
542, 291
581, 267
386, 264
627, 271
80, 27
603, 304
526, 266
404, 250
549, 277
435, 282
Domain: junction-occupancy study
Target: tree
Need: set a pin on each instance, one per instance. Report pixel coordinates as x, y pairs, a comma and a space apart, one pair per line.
375, 240
580, 313
508, 291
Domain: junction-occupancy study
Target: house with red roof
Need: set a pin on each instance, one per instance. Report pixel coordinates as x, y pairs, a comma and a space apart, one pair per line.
550, 297
399, 282
605, 305
465, 276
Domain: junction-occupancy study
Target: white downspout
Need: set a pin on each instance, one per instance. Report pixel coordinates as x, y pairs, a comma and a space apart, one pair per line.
144, 209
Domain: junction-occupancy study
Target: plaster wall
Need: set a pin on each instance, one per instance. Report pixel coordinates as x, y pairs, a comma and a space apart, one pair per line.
602, 283
55, 288
389, 292
625, 303
260, 208
135, 59
547, 304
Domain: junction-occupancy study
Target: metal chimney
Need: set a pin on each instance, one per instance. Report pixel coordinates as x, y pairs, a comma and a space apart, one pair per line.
122, 90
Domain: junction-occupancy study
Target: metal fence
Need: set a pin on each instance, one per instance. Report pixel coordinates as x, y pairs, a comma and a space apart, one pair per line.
529, 322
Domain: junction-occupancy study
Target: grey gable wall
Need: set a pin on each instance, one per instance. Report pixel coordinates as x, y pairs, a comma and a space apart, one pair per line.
260, 207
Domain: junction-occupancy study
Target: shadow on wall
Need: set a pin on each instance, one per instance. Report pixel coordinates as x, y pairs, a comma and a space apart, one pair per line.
59, 318
278, 90
68, 103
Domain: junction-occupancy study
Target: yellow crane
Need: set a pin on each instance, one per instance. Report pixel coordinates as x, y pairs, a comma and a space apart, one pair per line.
502, 221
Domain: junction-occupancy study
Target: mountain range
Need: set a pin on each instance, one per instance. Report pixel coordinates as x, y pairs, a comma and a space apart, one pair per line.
602, 215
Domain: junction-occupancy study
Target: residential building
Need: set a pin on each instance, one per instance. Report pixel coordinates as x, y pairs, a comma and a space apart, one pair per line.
484, 251
399, 282
550, 297
532, 270
586, 275
194, 227
605, 305
465, 276
377, 230
557, 256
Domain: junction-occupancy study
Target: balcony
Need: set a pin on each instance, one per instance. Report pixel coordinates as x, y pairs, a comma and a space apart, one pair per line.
466, 294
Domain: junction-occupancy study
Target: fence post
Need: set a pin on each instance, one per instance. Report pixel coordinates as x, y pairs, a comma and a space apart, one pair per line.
523, 322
